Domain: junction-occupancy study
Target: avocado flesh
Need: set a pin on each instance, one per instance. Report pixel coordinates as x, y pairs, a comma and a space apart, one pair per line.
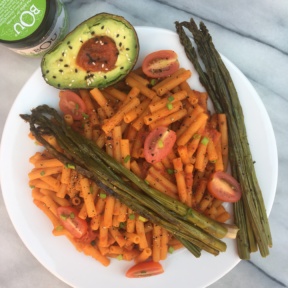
61, 69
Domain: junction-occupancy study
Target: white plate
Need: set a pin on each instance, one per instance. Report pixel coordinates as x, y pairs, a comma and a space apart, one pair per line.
56, 253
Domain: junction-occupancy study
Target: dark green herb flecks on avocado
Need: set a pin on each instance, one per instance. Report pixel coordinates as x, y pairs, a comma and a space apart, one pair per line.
98, 53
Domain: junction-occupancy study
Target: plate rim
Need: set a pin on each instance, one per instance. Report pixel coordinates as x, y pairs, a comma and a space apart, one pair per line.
5, 132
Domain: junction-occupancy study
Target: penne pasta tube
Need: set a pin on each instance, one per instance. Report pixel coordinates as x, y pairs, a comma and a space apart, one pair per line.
102, 101
180, 179
135, 113
189, 119
156, 246
115, 93
166, 121
44, 172
140, 230
163, 102
132, 82
119, 115
164, 112
117, 136
139, 78
143, 256
162, 88
200, 120
88, 197
53, 218
118, 236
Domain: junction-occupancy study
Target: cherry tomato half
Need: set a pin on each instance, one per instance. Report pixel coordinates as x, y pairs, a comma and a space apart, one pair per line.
145, 269
71, 103
224, 187
160, 64
158, 144
71, 222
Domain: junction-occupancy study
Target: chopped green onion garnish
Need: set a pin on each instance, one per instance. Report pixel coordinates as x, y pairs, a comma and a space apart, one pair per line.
120, 257
76, 106
102, 195
160, 143
42, 173
170, 98
127, 158
59, 228
122, 225
146, 182
132, 216
171, 250
153, 82
93, 242
141, 218
63, 216
196, 136
70, 166
72, 215
85, 116
204, 141
32, 186
170, 171
169, 106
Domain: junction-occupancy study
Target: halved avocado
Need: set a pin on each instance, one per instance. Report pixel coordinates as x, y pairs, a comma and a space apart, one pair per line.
96, 54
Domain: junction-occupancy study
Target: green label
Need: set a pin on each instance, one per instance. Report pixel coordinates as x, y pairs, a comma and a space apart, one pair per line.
19, 19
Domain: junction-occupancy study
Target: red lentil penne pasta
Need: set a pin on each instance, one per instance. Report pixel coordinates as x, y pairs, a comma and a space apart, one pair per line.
119, 119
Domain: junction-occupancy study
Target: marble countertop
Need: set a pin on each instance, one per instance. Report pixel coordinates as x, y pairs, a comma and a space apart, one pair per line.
253, 35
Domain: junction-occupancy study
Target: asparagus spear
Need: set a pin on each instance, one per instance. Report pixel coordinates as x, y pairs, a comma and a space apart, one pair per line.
216, 79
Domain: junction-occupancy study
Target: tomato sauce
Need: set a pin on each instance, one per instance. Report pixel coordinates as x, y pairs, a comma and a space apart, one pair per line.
98, 54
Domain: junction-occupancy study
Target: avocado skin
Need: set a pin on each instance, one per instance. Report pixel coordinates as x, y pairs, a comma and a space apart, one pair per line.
59, 67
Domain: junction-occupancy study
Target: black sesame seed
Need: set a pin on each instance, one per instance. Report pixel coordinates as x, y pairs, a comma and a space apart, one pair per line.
93, 32
60, 70
47, 71
66, 65
120, 44
102, 27
61, 60
76, 70
63, 53
117, 35
105, 77
70, 47
54, 76
68, 42
121, 68
58, 85
127, 49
